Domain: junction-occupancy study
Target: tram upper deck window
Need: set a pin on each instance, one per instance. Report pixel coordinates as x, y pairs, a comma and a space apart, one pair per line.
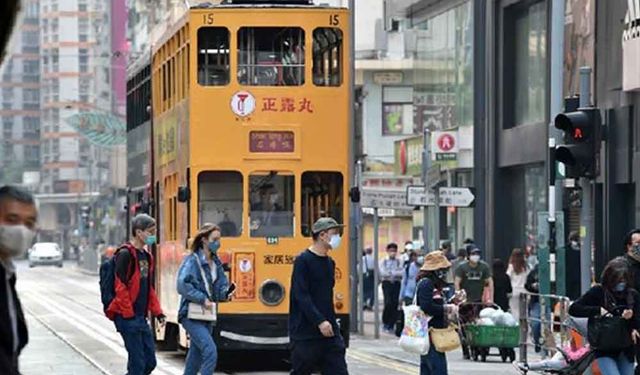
213, 56
321, 196
271, 56
220, 201
327, 56
271, 200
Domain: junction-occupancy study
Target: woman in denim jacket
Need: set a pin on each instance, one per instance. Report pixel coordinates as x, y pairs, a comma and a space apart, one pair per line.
202, 356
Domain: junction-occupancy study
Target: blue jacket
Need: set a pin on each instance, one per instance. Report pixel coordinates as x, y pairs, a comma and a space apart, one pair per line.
408, 288
191, 287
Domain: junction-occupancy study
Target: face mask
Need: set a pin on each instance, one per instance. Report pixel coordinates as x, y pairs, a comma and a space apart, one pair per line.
214, 247
441, 274
150, 240
335, 240
420, 260
15, 239
273, 198
474, 258
575, 245
620, 287
636, 250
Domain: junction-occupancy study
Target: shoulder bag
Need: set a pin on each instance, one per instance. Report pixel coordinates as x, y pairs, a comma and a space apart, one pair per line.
445, 339
197, 311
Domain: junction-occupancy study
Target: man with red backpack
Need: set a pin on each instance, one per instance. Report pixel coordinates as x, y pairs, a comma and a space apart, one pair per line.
126, 283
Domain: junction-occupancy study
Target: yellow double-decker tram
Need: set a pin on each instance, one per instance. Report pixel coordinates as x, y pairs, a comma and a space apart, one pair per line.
250, 131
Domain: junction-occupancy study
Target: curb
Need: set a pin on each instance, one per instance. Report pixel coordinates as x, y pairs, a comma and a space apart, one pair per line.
87, 272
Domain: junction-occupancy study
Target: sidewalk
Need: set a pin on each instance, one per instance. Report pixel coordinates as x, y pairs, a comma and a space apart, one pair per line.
48, 354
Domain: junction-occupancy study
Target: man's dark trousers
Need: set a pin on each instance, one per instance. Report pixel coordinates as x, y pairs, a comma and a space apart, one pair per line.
391, 291
327, 355
138, 340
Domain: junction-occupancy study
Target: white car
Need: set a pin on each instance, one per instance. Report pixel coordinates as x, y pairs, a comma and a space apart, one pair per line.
45, 253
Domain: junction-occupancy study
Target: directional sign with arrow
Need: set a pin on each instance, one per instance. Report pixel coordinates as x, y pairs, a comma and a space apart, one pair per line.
449, 197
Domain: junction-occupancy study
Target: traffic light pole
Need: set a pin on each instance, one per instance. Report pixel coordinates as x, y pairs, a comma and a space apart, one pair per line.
426, 164
586, 213
555, 195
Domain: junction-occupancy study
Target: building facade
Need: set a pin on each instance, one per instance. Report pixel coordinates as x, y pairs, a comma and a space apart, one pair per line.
20, 112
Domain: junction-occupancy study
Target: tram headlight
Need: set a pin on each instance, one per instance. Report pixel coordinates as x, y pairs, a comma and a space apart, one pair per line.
272, 293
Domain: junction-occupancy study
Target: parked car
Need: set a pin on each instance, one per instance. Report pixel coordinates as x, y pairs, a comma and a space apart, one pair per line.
45, 253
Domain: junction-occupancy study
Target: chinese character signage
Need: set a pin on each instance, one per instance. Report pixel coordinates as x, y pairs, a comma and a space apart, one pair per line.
244, 276
271, 141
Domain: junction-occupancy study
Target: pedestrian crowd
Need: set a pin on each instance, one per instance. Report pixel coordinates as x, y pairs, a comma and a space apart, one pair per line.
130, 301
431, 282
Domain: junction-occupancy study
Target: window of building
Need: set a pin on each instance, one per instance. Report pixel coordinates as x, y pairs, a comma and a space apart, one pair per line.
82, 7
220, 201
443, 93
397, 111
271, 199
525, 84
327, 57
31, 95
322, 196
213, 56
271, 56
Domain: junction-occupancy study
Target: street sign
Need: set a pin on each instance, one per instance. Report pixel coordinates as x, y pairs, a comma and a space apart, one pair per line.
434, 176
449, 197
543, 229
380, 198
444, 145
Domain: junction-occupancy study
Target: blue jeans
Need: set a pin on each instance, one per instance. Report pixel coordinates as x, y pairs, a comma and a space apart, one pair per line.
203, 354
615, 366
138, 340
534, 313
434, 363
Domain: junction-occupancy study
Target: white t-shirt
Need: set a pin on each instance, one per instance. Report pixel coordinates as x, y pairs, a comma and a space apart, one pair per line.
517, 280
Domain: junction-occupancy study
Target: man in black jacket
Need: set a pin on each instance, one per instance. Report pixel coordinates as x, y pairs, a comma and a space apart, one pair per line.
313, 328
632, 254
18, 217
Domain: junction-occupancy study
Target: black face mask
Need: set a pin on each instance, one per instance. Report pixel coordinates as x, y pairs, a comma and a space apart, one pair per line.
440, 274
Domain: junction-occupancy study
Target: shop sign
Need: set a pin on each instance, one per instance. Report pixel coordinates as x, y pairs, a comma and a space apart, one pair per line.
408, 156
388, 78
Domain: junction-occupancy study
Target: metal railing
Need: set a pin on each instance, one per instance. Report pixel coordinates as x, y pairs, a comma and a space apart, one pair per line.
546, 315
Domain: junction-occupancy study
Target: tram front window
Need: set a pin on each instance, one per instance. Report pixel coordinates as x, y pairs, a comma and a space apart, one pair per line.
271, 56
322, 195
271, 201
220, 201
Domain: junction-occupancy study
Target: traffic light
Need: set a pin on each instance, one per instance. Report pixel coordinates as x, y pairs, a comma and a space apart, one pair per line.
85, 213
582, 136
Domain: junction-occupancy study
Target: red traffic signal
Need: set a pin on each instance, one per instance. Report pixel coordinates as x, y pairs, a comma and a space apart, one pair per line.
580, 150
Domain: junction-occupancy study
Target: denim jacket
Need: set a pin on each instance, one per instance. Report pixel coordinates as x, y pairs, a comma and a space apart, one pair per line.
191, 287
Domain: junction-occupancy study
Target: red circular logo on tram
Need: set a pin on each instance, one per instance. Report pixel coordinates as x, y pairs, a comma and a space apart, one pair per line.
446, 142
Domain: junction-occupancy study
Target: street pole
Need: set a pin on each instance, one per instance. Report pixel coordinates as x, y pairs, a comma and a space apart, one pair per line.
359, 246
586, 213
376, 275
356, 212
556, 107
426, 164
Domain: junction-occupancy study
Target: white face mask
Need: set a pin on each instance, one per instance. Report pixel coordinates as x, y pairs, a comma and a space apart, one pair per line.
273, 198
335, 240
474, 258
15, 239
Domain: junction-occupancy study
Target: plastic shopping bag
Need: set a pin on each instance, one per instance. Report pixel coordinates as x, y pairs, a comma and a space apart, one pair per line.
415, 335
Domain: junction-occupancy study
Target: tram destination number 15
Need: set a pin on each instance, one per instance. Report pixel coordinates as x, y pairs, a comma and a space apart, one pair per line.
334, 19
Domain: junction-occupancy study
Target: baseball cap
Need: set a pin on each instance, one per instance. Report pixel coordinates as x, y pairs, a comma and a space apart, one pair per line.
325, 223
475, 250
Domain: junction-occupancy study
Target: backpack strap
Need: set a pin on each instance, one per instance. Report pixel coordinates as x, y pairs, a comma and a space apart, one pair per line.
134, 258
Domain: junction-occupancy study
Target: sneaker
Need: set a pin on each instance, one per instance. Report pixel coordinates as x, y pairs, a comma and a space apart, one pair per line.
520, 366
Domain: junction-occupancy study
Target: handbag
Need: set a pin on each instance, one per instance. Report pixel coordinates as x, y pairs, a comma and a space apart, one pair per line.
414, 337
196, 311
445, 339
609, 333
